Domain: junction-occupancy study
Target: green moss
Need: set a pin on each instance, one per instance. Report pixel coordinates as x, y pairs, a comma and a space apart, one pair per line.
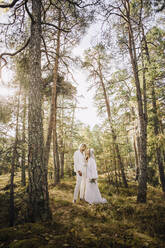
27, 243
122, 223
36, 228
22, 232
8, 234
63, 203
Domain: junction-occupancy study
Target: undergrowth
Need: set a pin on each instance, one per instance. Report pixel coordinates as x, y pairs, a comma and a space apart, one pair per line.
121, 223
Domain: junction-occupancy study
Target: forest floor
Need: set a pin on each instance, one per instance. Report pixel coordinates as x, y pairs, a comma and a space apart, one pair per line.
121, 223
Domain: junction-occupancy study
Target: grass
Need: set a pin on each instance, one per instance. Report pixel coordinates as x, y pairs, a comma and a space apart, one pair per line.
121, 223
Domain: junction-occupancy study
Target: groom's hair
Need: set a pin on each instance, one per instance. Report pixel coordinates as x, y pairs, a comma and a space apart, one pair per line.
83, 145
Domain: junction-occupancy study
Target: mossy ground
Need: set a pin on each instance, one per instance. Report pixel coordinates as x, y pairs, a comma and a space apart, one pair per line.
119, 224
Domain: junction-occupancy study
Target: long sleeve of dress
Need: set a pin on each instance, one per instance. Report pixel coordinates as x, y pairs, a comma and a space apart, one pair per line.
92, 169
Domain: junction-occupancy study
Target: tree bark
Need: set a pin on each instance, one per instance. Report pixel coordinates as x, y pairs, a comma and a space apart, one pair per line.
158, 150
162, 131
55, 142
61, 139
56, 159
142, 181
23, 155
39, 209
62, 163
136, 159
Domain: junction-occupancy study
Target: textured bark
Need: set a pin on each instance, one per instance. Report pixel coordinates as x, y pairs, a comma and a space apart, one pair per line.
23, 155
112, 129
13, 164
142, 180
158, 150
38, 186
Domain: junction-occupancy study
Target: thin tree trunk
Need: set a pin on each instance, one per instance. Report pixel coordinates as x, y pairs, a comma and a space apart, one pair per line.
136, 145
13, 164
55, 142
158, 150
136, 159
62, 163
52, 118
162, 131
39, 209
112, 129
56, 156
23, 155
116, 174
62, 145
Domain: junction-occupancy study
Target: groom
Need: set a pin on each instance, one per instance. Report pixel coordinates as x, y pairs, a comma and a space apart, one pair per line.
80, 169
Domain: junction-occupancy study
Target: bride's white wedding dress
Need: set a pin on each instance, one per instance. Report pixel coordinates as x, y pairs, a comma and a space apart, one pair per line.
92, 192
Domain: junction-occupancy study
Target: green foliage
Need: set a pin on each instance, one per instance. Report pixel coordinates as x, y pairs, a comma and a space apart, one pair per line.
5, 112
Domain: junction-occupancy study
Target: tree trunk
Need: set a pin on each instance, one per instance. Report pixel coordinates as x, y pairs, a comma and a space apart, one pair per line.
54, 95
23, 155
112, 129
142, 181
158, 150
62, 163
156, 120
55, 143
61, 138
13, 164
56, 153
162, 131
38, 186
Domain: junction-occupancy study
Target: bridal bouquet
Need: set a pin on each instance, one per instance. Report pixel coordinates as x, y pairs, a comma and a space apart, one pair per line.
93, 180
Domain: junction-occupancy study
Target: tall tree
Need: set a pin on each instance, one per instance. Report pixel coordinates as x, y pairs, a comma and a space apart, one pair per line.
38, 187
153, 78
95, 61
128, 14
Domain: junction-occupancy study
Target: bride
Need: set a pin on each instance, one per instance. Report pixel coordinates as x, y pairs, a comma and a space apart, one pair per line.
92, 193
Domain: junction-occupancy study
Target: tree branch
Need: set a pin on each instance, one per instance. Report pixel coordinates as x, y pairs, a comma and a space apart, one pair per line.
84, 6
52, 25
15, 53
27, 10
46, 51
9, 5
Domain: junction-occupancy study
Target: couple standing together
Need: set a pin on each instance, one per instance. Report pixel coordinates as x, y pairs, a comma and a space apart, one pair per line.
86, 176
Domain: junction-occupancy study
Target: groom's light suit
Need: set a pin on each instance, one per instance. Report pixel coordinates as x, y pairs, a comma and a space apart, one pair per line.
79, 165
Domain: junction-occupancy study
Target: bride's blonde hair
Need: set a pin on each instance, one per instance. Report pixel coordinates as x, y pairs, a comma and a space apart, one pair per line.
90, 153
